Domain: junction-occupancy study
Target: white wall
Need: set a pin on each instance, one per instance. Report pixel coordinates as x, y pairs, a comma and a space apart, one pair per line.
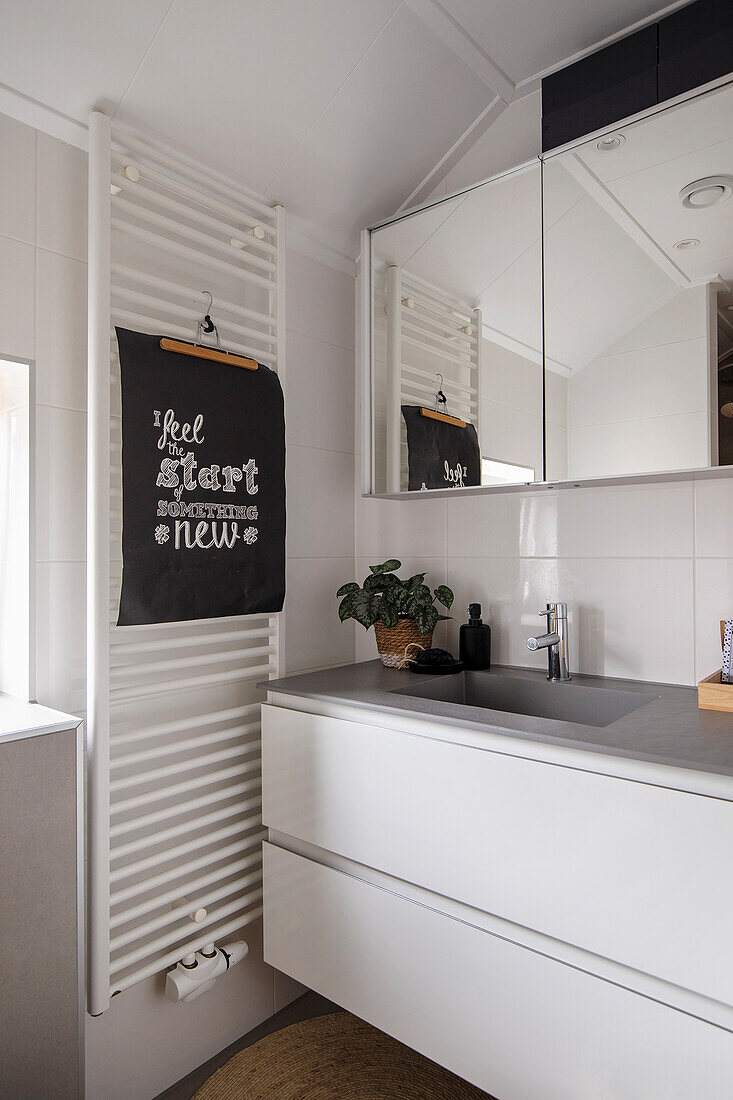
647, 570
643, 405
143, 1043
511, 420
15, 634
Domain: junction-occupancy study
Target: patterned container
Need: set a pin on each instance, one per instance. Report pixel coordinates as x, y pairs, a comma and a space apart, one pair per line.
392, 641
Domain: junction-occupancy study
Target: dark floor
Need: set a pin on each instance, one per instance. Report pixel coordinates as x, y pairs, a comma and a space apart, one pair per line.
305, 1008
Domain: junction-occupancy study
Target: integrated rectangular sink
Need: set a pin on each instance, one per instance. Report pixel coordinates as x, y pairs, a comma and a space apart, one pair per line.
562, 701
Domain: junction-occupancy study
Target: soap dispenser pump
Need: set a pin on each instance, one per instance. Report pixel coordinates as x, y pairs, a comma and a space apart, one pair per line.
475, 640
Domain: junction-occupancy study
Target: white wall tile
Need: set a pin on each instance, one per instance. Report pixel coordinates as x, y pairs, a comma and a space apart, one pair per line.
319, 394
509, 435
61, 635
61, 223
320, 488
510, 379
17, 298
314, 636
644, 521
17, 180
320, 301
400, 528
639, 446
714, 518
61, 331
713, 602
60, 484
628, 618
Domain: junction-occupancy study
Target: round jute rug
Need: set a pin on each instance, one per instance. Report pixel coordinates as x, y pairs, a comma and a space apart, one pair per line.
334, 1056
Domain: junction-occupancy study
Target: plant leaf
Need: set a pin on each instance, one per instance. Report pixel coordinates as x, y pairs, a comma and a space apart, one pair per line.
389, 615
366, 608
444, 595
345, 589
414, 582
346, 607
381, 581
426, 619
388, 566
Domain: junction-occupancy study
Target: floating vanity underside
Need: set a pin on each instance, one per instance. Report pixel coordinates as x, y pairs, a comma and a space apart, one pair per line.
543, 915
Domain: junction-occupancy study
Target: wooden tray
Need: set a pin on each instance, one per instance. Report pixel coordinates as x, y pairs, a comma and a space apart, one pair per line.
712, 694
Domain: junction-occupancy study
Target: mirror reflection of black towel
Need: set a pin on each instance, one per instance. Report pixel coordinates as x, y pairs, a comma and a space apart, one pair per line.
440, 455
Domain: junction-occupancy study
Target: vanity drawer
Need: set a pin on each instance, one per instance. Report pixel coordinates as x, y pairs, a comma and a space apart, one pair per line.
515, 1022
636, 873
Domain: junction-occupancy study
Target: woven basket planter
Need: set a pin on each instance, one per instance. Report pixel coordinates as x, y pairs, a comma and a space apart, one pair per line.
392, 641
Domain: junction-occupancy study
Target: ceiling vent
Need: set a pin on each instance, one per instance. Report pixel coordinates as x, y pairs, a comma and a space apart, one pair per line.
706, 192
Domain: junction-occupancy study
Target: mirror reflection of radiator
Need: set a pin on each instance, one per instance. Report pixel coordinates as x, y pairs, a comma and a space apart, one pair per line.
174, 790
429, 331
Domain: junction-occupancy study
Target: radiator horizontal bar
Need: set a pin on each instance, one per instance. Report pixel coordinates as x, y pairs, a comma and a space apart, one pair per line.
144, 952
147, 279
124, 647
184, 624
122, 671
186, 889
156, 816
182, 167
118, 897
186, 253
446, 317
435, 351
186, 723
177, 187
443, 297
189, 313
157, 775
188, 948
205, 780
177, 915
132, 694
228, 733
448, 383
156, 195
448, 343
142, 213
134, 846
194, 845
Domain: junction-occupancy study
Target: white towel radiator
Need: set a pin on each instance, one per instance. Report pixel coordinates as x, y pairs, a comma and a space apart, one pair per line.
173, 713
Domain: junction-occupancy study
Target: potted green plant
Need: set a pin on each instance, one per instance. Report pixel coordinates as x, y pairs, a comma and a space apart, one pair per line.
402, 612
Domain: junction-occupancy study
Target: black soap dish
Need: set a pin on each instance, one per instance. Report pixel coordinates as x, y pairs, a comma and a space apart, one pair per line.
434, 661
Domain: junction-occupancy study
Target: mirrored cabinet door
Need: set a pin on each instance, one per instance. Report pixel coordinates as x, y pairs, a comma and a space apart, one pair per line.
457, 340
638, 259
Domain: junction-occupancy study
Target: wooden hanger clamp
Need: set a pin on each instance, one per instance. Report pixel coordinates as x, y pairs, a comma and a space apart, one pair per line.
436, 414
200, 350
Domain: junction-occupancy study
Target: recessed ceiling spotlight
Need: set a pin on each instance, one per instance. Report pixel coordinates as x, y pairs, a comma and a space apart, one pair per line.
609, 144
706, 192
688, 242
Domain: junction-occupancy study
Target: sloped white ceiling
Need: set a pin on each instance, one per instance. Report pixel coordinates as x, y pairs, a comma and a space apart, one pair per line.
338, 108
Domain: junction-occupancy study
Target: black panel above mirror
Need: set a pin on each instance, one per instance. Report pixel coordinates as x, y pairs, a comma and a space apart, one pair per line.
616, 82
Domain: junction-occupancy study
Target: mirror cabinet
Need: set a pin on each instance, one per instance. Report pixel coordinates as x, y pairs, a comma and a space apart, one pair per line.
566, 321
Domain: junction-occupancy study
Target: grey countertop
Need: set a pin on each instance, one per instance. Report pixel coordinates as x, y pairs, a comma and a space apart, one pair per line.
669, 729
21, 719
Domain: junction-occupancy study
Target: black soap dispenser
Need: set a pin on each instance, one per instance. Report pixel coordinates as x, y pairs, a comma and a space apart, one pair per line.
475, 640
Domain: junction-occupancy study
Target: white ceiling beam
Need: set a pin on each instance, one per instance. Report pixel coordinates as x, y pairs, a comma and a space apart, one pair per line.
456, 38
589, 181
458, 150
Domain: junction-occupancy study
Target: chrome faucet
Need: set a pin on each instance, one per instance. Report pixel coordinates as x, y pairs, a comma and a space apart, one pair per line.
555, 641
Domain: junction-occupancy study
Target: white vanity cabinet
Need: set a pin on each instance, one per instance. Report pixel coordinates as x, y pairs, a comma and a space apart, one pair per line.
545, 922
